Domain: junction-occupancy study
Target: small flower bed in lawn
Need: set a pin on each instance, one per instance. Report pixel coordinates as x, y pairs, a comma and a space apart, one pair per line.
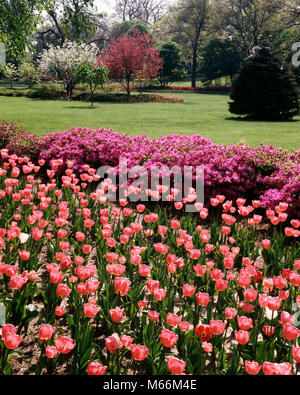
212, 88
225, 88
149, 99
91, 288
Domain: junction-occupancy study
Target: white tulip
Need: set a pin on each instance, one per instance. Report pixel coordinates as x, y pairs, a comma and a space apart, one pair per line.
270, 314
23, 237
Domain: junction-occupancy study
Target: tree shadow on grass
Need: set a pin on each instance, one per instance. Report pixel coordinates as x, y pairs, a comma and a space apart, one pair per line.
249, 119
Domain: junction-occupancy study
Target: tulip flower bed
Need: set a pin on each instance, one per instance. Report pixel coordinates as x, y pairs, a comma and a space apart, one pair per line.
87, 287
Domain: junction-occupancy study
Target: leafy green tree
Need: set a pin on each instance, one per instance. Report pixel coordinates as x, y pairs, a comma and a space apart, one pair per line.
18, 21
221, 58
256, 22
282, 47
264, 89
127, 27
187, 23
29, 73
94, 76
173, 64
68, 20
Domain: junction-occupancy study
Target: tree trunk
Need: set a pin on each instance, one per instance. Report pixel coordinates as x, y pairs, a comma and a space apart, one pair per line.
92, 98
69, 89
194, 69
128, 88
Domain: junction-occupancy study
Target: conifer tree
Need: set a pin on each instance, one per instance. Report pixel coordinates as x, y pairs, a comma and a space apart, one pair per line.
264, 89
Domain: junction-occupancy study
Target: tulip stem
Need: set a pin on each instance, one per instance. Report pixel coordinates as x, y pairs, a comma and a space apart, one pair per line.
162, 357
3, 360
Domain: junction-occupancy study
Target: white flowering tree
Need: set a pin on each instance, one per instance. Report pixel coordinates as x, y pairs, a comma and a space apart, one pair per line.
63, 62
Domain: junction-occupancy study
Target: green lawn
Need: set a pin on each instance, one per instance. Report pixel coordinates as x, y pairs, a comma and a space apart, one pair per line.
205, 114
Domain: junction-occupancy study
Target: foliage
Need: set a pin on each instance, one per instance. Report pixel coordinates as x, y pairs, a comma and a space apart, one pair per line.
187, 23
264, 89
94, 76
127, 27
29, 73
220, 58
18, 20
173, 65
256, 22
70, 20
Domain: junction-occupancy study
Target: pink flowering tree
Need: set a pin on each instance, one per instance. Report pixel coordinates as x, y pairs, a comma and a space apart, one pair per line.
129, 57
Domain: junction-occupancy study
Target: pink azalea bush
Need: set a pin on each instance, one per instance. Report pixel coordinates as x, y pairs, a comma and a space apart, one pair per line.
263, 172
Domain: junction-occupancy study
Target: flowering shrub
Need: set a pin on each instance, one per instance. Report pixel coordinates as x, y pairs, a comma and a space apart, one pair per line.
100, 289
270, 174
18, 141
263, 172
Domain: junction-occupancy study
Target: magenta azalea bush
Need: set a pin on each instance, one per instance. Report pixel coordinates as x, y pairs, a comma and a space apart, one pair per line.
271, 174
18, 141
263, 172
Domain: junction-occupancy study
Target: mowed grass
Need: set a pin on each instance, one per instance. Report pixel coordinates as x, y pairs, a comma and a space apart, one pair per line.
205, 114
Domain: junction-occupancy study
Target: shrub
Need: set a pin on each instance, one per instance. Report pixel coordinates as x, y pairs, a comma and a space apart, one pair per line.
29, 74
47, 91
265, 172
19, 142
270, 174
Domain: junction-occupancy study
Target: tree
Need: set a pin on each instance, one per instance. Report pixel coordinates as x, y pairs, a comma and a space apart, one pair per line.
221, 58
264, 89
63, 63
148, 11
10, 73
29, 73
131, 57
173, 65
255, 22
92, 75
127, 27
186, 24
18, 20
73, 20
